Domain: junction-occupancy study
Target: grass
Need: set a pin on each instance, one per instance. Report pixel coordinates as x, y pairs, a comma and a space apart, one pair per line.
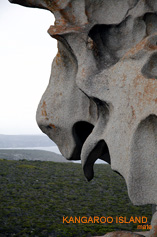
35, 195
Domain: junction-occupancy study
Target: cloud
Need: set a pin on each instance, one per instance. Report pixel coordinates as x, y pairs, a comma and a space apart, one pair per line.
26, 55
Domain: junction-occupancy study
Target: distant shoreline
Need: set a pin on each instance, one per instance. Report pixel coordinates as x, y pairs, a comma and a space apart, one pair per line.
53, 149
31, 154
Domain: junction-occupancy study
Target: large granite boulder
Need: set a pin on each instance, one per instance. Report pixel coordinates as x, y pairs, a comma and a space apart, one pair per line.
101, 101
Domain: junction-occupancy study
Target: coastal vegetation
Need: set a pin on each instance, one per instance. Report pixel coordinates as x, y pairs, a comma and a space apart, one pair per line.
35, 197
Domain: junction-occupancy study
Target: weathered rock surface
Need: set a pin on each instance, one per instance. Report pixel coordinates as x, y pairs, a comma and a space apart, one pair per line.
153, 231
122, 234
101, 101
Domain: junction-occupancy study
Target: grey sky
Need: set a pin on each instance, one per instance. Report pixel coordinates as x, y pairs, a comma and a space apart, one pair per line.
26, 54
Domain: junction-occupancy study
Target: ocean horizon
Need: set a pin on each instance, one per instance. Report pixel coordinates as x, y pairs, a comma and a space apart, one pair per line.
49, 148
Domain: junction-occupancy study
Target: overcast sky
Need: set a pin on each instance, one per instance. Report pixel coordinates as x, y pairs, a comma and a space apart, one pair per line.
26, 54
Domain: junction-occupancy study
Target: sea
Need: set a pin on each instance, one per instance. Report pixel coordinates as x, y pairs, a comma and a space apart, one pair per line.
52, 149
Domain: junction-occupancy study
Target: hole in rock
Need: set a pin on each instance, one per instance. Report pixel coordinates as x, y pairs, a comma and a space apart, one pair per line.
100, 151
81, 131
104, 151
112, 41
144, 158
103, 52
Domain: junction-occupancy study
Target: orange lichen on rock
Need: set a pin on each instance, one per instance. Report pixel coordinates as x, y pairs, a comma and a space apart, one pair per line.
148, 91
64, 29
52, 125
136, 49
43, 109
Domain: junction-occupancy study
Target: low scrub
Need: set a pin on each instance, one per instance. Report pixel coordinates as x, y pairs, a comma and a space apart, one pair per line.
36, 196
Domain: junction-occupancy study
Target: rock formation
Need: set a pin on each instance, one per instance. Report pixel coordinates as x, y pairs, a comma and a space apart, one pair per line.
101, 101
